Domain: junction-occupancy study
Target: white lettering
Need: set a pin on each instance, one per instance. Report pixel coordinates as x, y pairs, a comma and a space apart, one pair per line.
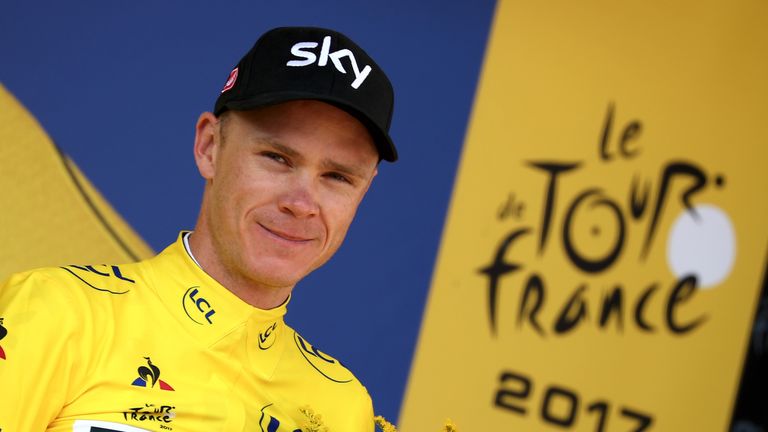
308, 56
324, 51
359, 76
338, 55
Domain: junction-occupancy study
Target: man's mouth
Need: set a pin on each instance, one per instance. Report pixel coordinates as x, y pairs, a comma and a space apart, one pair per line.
285, 236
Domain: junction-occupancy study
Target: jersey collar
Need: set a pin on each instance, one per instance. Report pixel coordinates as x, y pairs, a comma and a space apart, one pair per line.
206, 308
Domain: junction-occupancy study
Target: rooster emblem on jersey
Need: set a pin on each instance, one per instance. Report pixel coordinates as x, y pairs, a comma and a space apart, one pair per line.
149, 375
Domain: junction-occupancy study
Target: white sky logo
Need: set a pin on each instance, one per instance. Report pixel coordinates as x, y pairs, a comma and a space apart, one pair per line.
301, 50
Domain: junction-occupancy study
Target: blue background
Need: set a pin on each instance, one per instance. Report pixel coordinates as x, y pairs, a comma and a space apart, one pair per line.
119, 86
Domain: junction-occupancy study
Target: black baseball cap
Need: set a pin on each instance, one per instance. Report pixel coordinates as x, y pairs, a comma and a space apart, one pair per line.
292, 63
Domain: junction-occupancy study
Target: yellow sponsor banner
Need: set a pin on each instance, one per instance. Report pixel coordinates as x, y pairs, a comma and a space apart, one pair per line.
606, 240
51, 214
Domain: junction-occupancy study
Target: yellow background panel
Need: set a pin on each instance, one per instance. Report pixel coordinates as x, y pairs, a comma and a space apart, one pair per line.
685, 82
51, 214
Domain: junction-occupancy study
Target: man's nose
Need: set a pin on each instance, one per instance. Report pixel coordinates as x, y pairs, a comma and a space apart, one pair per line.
299, 199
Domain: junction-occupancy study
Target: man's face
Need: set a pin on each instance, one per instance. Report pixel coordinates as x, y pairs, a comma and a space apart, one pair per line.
284, 184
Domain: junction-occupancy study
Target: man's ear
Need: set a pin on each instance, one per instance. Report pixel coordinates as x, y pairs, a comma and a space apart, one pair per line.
206, 144
370, 181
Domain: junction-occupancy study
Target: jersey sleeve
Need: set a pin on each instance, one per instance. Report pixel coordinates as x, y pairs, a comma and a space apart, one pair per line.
40, 337
352, 409
365, 421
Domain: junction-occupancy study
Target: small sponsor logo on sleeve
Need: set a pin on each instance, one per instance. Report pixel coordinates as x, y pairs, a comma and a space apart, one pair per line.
3, 333
328, 366
102, 278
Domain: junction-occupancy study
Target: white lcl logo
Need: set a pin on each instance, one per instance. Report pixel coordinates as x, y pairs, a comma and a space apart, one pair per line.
301, 50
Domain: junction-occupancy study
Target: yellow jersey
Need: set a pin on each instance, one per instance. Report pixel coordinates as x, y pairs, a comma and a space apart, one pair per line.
159, 345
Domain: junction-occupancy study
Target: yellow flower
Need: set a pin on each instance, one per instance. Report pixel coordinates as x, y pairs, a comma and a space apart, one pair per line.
314, 421
449, 426
389, 427
384, 424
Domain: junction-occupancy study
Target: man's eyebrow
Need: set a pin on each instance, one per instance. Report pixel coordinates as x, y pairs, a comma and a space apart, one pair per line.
328, 164
282, 148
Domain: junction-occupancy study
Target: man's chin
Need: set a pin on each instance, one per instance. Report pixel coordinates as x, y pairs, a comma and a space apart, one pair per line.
276, 277
279, 269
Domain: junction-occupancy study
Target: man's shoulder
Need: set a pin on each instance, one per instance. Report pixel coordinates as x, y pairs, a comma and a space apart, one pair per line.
319, 364
68, 299
105, 278
337, 394
74, 281
108, 279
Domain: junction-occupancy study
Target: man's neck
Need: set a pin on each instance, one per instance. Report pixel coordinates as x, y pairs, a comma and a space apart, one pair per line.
256, 295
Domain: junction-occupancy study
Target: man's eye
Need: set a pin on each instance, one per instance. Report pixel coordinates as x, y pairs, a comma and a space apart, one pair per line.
339, 177
276, 157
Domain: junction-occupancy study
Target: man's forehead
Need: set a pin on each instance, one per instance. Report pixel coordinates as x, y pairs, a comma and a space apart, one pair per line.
287, 125
306, 113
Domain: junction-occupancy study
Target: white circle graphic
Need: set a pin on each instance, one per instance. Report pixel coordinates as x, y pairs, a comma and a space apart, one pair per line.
702, 244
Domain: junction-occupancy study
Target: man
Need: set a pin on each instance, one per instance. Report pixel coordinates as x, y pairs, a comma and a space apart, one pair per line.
194, 339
